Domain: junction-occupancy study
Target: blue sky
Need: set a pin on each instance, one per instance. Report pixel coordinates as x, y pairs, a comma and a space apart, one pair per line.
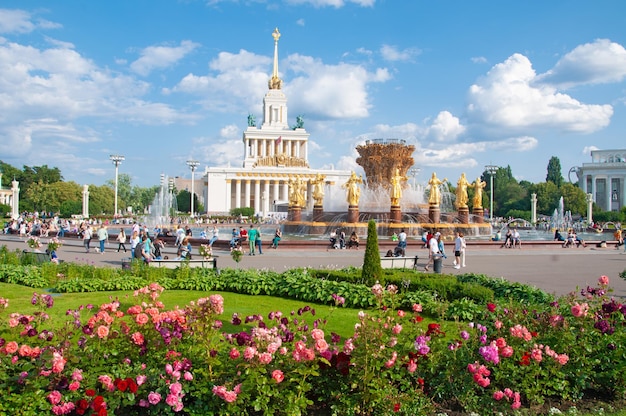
469, 83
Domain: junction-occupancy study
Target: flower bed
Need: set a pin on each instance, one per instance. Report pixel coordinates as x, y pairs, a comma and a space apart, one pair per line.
136, 356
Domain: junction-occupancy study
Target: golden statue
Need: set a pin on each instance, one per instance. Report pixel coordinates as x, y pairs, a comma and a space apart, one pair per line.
275, 83
478, 193
461, 192
396, 187
318, 188
434, 198
354, 191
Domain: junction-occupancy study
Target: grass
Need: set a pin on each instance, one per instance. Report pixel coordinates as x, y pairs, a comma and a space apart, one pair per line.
339, 320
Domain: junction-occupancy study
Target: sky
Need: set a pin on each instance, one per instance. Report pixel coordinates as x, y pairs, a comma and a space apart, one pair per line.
469, 83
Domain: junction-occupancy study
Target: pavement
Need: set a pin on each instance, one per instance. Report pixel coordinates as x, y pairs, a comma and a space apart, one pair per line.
549, 267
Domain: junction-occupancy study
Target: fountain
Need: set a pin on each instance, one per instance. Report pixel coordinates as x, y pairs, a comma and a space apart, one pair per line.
384, 196
164, 205
561, 219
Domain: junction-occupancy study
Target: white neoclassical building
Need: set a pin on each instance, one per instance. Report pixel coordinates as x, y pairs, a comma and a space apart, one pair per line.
273, 153
605, 178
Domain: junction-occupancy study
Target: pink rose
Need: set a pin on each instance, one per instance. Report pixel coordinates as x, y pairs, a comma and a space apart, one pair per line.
11, 347
397, 328
278, 376
176, 388
74, 385
603, 280
498, 395
54, 397
142, 319
321, 345
234, 353
154, 398
265, 358
137, 338
317, 334
103, 331
417, 307
412, 366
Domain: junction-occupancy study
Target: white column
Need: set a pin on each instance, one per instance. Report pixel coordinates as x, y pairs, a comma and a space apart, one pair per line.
298, 145
608, 194
257, 195
276, 195
266, 192
533, 208
589, 208
15, 199
593, 186
286, 190
229, 194
306, 151
246, 197
237, 193
85, 201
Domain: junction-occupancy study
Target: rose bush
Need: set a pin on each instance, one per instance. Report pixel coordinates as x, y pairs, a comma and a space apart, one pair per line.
136, 356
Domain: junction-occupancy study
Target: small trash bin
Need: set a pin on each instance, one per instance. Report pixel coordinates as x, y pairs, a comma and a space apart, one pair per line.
437, 264
126, 262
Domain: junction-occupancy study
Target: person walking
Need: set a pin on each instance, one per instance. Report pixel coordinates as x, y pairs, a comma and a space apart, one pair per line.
258, 243
463, 247
252, 234
457, 250
433, 250
87, 233
134, 242
103, 236
121, 240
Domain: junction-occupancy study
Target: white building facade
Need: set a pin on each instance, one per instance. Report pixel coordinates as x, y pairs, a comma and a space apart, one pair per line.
605, 178
273, 153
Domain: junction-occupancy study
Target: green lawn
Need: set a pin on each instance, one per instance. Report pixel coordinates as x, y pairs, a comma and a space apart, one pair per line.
340, 320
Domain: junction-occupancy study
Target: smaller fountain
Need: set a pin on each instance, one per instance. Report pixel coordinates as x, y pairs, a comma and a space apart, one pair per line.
164, 205
561, 219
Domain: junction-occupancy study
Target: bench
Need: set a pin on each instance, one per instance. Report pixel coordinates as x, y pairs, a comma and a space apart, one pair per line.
37, 257
173, 264
398, 262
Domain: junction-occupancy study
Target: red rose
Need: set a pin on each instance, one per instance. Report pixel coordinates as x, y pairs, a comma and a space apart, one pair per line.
132, 385
90, 393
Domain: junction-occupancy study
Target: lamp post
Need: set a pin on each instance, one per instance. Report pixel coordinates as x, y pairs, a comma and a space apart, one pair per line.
491, 169
413, 172
193, 164
117, 160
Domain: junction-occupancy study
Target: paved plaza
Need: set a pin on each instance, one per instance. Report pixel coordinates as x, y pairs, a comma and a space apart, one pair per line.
551, 268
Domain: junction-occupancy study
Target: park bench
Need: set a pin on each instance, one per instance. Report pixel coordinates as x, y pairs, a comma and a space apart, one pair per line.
37, 256
398, 262
173, 264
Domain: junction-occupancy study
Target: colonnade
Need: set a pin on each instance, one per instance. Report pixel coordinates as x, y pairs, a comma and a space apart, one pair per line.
262, 193
608, 190
271, 147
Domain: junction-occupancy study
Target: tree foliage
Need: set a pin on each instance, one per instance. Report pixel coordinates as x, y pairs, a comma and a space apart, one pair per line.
372, 270
554, 171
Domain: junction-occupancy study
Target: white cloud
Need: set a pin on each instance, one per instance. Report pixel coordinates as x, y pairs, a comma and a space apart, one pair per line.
335, 91
508, 97
332, 3
599, 62
220, 153
300, 22
158, 57
587, 150
230, 132
445, 127
20, 21
479, 60
393, 54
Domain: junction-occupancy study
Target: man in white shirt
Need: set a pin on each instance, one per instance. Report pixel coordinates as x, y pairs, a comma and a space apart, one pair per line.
433, 251
402, 239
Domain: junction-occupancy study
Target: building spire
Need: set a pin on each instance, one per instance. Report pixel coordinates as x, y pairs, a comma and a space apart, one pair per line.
275, 83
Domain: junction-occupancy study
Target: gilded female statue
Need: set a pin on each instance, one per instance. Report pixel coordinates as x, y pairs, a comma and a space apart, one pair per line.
434, 198
396, 187
318, 188
478, 193
461, 192
353, 189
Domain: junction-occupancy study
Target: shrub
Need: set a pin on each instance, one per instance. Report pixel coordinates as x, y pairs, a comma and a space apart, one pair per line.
372, 271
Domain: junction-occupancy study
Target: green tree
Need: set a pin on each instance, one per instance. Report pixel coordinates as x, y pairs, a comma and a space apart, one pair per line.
101, 200
548, 196
184, 201
372, 270
554, 172
574, 199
